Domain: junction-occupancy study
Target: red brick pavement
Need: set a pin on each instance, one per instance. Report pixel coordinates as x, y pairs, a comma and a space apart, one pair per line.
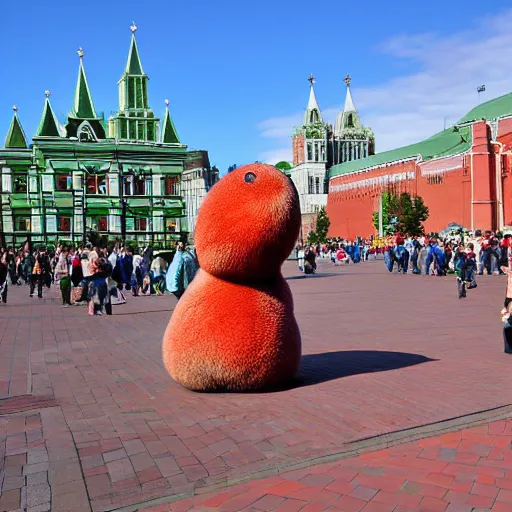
382, 353
463, 471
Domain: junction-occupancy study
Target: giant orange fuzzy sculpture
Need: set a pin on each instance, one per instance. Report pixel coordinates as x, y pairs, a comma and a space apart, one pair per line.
234, 328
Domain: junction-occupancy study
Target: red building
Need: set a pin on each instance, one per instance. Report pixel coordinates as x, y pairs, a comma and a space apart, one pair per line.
462, 173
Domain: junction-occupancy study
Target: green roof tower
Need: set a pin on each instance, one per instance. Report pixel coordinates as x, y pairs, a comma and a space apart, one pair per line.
48, 126
134, 121
83, 122
15, 136
169, 134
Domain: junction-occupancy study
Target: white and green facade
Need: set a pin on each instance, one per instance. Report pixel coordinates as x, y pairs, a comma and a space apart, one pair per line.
119, 177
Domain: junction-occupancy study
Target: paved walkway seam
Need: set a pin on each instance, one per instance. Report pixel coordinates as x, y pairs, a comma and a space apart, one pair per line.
355, 448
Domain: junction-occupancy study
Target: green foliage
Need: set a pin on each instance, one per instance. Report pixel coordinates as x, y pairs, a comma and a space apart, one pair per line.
313, 131
322, 226
359, 133
283, 166
389, 207
415, 216
402, 214
312, 238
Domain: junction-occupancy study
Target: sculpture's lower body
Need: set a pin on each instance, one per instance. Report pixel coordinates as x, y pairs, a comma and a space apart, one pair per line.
232, 337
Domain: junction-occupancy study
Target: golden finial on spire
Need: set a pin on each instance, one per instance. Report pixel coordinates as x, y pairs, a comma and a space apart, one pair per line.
166, 102
15, 108
80, 52
133, 27
347, 80
311, 79
47, 93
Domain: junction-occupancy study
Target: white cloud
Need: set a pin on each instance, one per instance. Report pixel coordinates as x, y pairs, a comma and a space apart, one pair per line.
414, 106
274, 156
279, 127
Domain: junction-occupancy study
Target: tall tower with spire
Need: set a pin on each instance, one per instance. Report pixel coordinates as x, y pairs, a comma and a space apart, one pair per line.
351, 140
310, 139
83, 122
134, 121
310, 144
72, 181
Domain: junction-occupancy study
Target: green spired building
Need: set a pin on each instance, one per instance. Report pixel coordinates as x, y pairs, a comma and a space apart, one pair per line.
119, 177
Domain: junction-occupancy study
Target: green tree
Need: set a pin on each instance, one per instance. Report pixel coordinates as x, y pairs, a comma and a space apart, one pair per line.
283, 166
390, 208
312, 238
414, 215
322, 225
402, 214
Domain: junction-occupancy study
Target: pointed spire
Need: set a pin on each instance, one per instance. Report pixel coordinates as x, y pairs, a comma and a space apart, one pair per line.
312, 113
348, 118
133, 64
48, 126
169, 135
349, 103
15, 136
83, 107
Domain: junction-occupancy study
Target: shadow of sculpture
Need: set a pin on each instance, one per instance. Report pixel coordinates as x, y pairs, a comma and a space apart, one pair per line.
317, 368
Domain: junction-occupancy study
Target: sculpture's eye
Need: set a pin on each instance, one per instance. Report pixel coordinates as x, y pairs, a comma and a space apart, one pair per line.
250, 177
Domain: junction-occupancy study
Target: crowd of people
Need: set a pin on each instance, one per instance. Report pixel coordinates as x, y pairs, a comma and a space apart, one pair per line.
95, 276
464, 254
338, 251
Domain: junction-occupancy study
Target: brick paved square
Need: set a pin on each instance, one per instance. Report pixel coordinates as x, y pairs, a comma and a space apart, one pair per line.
130, 420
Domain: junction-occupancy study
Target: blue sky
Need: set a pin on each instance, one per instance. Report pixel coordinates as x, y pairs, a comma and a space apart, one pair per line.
236, 72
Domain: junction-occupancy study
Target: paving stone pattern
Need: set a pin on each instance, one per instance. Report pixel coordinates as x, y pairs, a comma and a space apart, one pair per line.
382, 353
464, 471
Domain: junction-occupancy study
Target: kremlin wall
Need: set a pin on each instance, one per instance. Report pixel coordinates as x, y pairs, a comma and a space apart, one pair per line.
463, 174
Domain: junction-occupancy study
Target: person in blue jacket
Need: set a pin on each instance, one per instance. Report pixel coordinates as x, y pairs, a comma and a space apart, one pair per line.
435, 255
182, 270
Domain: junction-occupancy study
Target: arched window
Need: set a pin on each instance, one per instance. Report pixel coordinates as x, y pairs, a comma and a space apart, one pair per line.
85, 133
313, 117
350, 121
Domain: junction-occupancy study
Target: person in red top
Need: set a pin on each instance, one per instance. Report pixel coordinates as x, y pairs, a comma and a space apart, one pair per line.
341, 257
485, 253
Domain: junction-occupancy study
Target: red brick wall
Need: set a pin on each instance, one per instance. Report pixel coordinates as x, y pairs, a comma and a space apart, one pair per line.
505, 138
448, 201
507, 188
350, 212
505, 133
298, 149
456, 199
483, 178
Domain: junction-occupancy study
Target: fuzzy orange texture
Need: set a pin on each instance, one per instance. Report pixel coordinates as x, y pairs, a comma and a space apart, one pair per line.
234, 328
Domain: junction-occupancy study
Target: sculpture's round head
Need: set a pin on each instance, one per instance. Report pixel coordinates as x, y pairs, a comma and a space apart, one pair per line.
248, 224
